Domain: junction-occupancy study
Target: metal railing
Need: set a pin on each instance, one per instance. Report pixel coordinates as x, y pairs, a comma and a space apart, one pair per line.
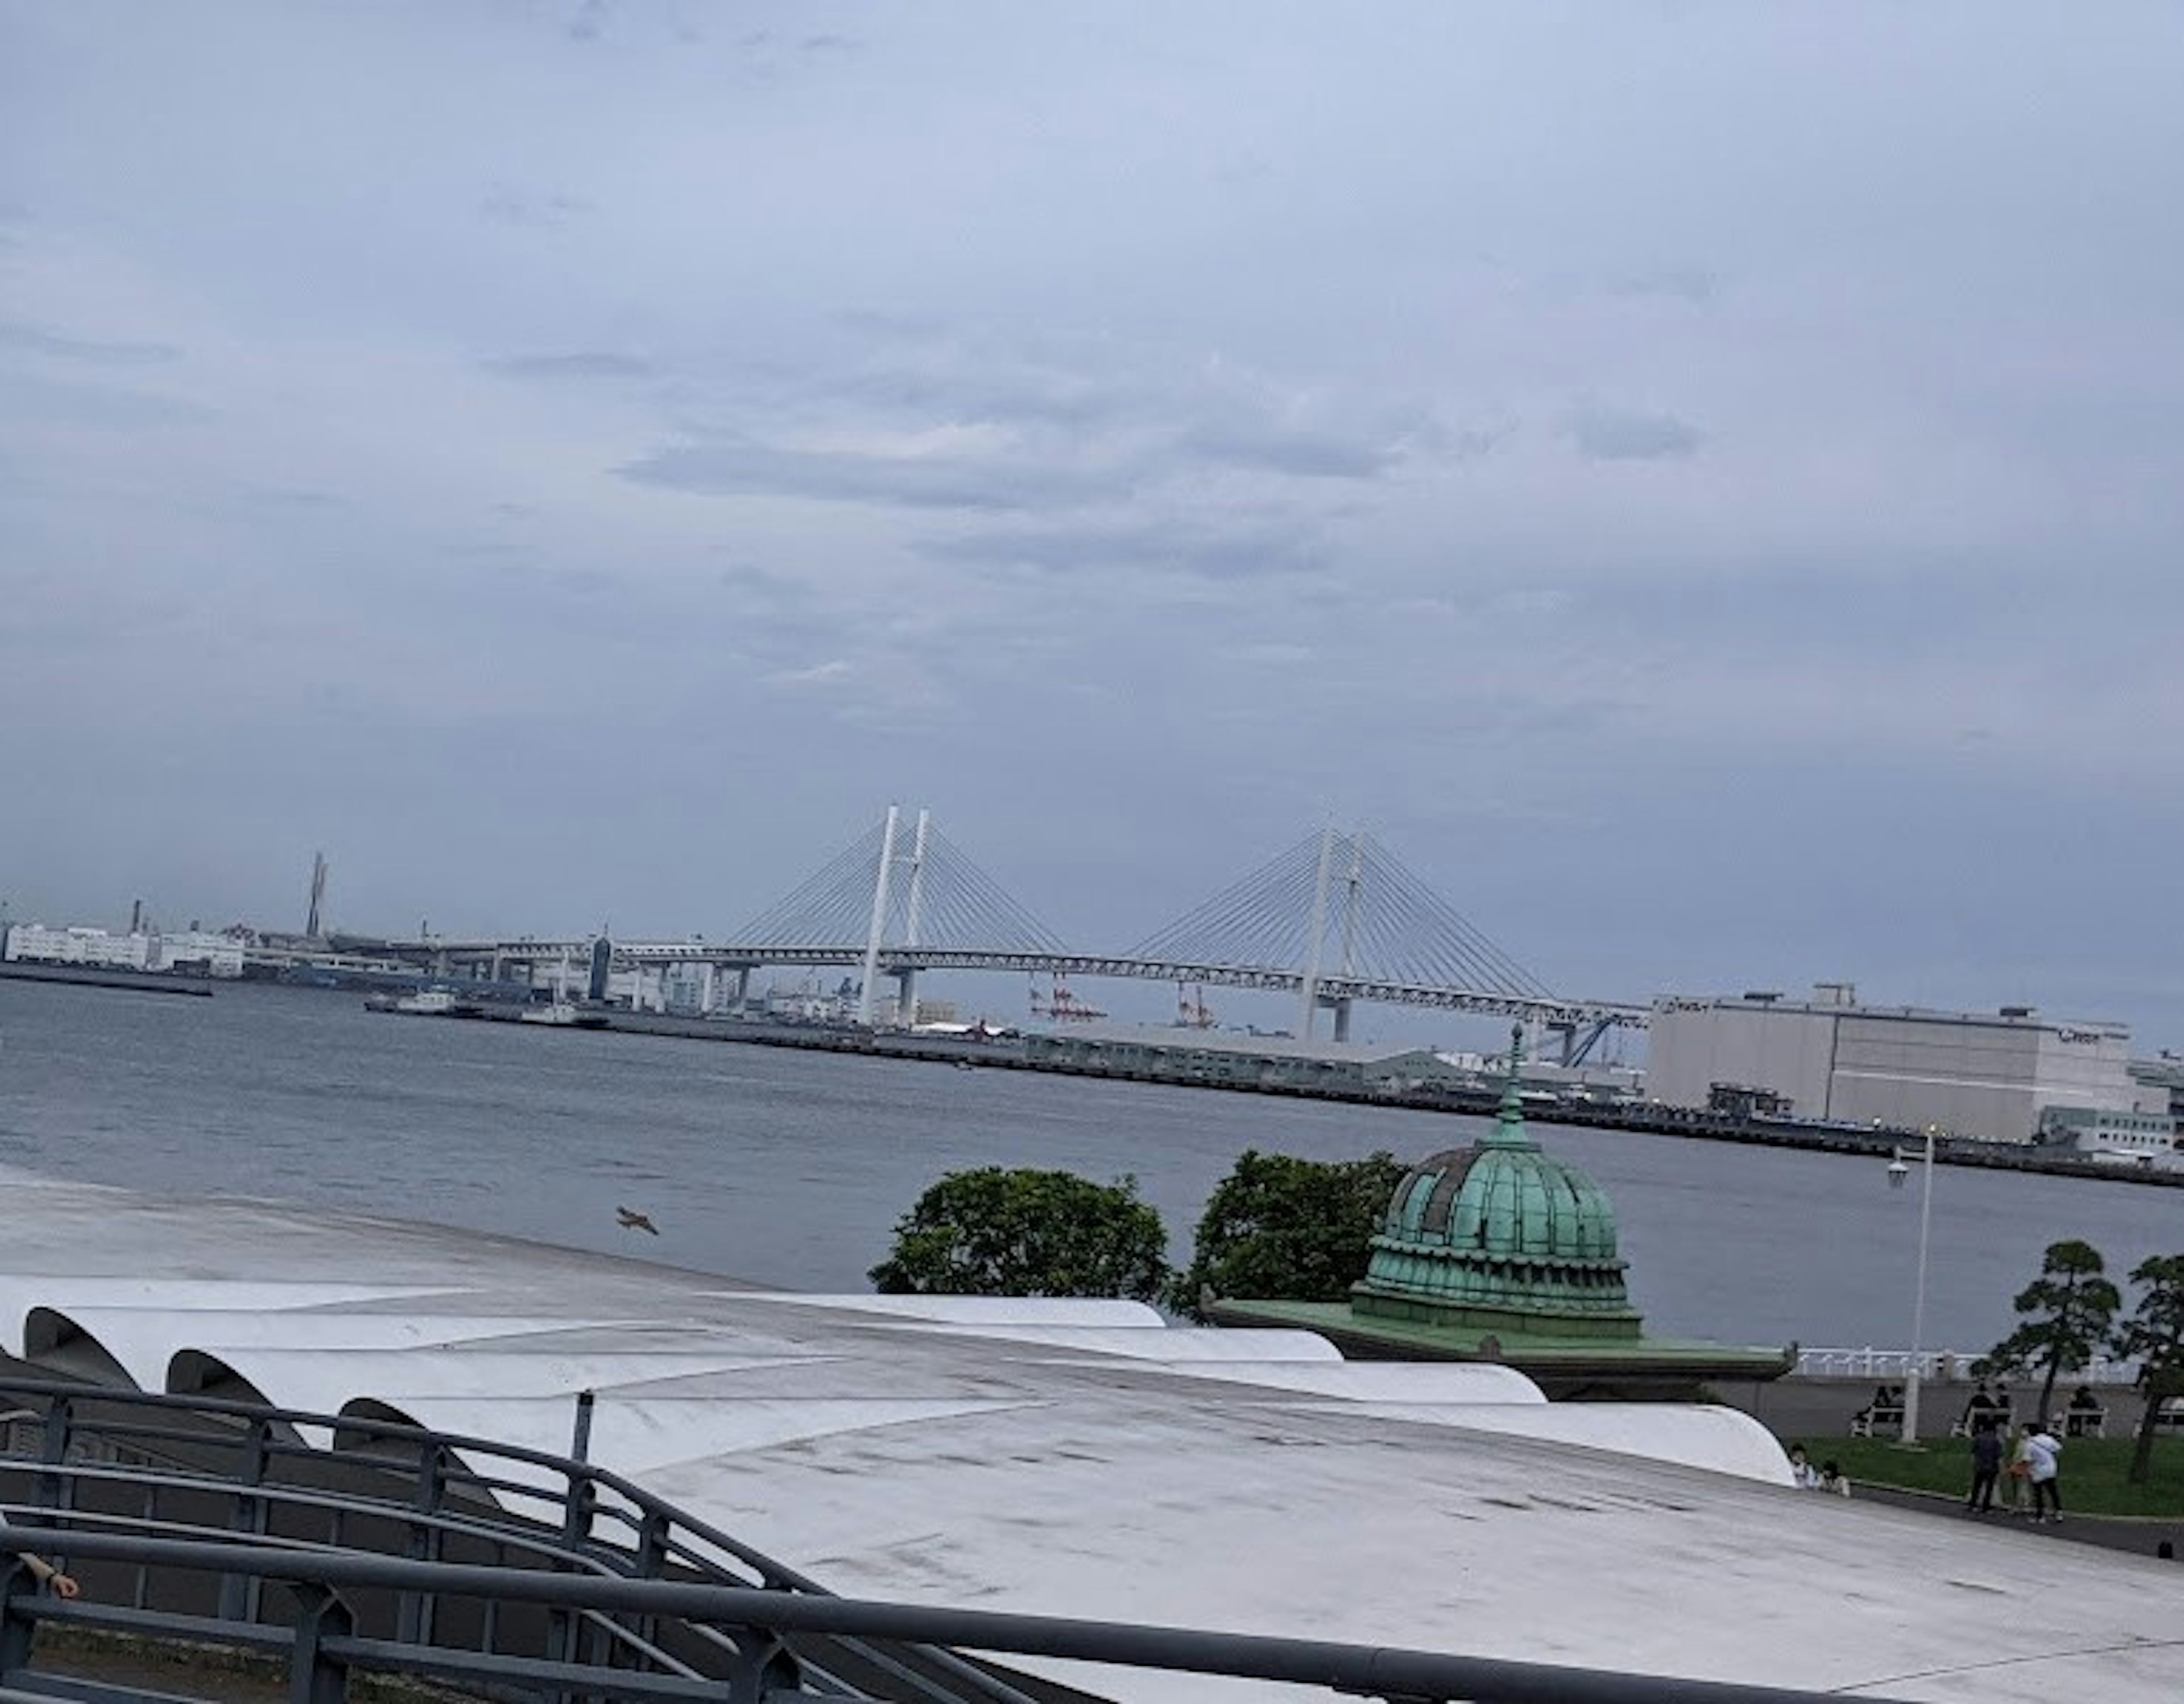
325, 1647
626, 1600
1937, 1366
89, 1462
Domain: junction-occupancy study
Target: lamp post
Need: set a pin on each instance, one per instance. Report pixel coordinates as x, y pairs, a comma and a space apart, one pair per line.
1898, 1169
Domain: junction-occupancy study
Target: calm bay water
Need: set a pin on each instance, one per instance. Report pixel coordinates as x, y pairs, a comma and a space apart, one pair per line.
789, 1169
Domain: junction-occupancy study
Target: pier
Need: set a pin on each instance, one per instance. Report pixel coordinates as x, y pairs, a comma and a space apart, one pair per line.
1015, 1053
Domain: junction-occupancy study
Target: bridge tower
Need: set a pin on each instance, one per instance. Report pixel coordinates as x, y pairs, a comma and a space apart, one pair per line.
879, 918
1353, 889
314, 918
901, 899
905, 977
1346, 921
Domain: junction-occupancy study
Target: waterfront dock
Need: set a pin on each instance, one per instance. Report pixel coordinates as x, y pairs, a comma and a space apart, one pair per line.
87, 977
1015, 1053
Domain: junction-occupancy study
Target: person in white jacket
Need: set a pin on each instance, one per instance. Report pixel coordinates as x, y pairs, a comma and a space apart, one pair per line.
2043, 1463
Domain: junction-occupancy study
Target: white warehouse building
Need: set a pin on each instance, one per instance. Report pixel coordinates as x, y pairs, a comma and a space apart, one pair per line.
1967, 1073
193, 950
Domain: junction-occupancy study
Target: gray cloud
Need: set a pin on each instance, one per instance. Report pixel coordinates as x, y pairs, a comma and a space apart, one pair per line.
1305, 454
294, 497
69, 402
1020, 367
1621, 434
583, 364
524, 209
589, 21
1008, 430
1239, 552
935, 482
36, 340
1695, 285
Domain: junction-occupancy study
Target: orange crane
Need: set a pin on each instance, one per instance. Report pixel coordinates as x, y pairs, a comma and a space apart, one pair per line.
1061, 1005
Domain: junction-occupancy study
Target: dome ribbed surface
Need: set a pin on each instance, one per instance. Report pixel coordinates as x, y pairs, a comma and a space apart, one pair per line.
1502, 1230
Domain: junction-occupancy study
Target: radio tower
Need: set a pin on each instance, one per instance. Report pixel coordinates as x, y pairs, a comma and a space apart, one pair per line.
318, 895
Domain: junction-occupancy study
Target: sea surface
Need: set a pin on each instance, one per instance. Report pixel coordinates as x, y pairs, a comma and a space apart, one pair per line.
788, 1169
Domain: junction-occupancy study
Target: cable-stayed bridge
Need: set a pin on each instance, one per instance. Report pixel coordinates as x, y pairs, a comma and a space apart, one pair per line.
1334, 919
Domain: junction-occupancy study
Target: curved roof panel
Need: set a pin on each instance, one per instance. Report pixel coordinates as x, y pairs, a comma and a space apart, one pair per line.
1176, 1342
1063, 1469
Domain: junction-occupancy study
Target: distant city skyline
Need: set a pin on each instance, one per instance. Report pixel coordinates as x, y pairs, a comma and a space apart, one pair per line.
1701, 482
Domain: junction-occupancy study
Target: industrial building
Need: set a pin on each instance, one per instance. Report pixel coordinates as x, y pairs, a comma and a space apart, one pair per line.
190, 951
1969, 1074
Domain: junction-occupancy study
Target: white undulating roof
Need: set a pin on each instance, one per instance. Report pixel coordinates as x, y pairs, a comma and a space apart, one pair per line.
1085, 1459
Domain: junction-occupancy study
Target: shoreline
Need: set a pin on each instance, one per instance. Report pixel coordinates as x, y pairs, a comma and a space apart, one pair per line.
89, 976
1479, 1103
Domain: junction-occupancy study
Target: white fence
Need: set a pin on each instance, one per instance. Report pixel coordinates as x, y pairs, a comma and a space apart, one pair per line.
1942, 1364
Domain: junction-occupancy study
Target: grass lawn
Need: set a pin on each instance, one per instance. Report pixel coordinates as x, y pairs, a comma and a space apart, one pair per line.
2093, 1470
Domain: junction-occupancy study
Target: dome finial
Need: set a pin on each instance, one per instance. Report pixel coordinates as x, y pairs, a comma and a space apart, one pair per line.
1509, 1119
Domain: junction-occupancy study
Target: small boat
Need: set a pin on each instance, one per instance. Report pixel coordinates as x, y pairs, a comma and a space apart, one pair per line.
429, 1002
558, 1011
426, 1003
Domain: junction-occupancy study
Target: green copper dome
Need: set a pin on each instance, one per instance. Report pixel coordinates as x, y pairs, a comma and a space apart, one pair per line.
1500, 1235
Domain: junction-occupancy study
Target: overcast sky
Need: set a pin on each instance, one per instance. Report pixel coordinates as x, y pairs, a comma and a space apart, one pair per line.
1704, 482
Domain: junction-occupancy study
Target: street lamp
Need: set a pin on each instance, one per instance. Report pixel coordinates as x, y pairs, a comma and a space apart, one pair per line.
1898, 1169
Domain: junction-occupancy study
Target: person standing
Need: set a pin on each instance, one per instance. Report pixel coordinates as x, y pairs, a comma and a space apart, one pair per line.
2017, 1495
2044, 1468
1987, 1465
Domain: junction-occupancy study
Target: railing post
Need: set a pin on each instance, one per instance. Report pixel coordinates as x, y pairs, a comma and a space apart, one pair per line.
414, 1615
57, 1489
647, 1561
565, 1628
316, 1675
763, 1669
579, 1443
239, 1594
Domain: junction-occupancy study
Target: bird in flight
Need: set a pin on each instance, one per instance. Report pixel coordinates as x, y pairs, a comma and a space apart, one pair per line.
630, 1220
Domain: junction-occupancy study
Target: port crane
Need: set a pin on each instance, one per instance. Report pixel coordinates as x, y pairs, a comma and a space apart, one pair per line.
1060, 1004
1192, 1010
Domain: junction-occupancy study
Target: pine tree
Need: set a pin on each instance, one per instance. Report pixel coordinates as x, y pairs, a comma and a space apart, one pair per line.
2154, 1337
2066, 1314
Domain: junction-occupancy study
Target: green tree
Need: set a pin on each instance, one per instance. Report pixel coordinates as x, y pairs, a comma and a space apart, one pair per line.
2154, 1337
2065, 1316
996, 1232
1281, 1228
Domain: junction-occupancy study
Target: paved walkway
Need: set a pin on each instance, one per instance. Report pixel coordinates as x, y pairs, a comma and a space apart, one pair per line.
2110, 1532
1816, 1410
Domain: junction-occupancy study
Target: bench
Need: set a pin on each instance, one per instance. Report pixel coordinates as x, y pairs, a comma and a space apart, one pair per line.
1961, 1426
2169, 1417
1877, 1423
2087, 1423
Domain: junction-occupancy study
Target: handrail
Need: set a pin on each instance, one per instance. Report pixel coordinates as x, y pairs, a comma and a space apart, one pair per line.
656, 1536
770, 1571
1380, 1672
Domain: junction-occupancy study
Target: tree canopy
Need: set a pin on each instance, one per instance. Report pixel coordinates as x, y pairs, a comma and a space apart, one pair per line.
999, 1232
2153, 1336
2066, 1315
1281, 1228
